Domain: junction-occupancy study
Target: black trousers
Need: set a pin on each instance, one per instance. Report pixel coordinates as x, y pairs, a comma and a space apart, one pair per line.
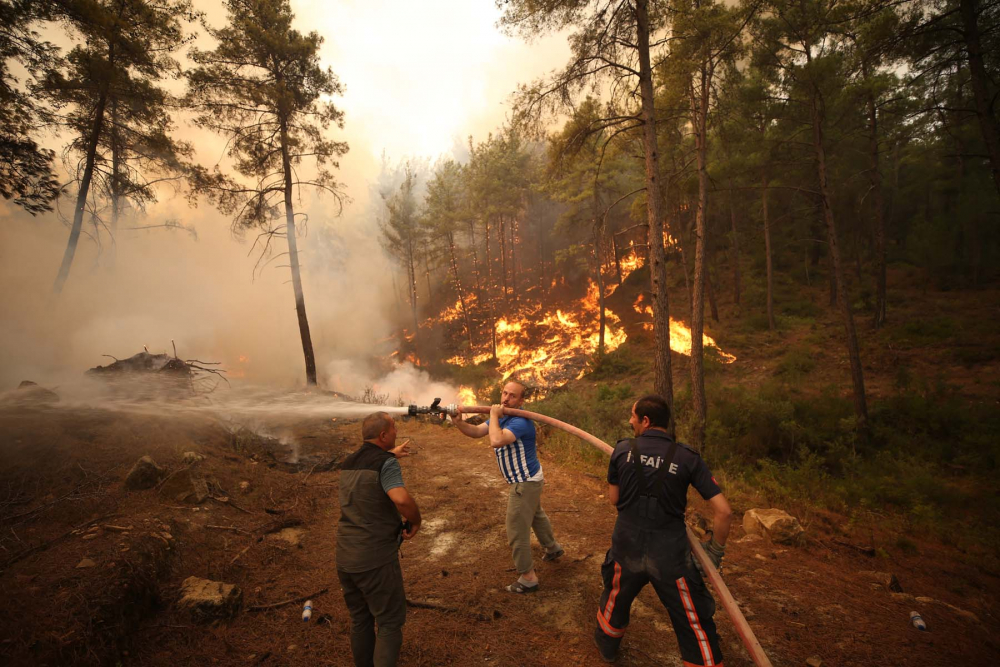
639, 557
375, 596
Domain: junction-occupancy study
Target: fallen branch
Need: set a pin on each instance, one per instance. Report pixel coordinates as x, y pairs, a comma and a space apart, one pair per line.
868, 551
275, 605
424, 604
226, 501
237, 557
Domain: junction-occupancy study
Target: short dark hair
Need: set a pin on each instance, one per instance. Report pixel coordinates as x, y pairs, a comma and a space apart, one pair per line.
374, 424
656, 408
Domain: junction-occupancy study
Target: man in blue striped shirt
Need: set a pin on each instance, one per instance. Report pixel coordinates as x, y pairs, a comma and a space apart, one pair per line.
513, 441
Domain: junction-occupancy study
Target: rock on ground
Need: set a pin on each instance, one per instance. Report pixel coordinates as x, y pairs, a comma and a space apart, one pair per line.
145, 474
777, 525
291, 536
191, 458
184, 487
207, 599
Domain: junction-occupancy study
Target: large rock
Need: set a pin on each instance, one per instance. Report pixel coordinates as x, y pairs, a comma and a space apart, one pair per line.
184, 486
777, 525
145, 474
206, 599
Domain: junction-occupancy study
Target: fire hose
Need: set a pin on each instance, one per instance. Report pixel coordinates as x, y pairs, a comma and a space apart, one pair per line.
746, 634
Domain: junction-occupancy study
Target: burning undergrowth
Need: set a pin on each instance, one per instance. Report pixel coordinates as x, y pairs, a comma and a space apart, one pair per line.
546, 337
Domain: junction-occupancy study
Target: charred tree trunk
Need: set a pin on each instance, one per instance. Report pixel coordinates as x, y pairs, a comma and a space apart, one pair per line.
736, 247
618, 262
662, 377
293, 260
81, 196
461, 293
766, 217
857, 375
980, 78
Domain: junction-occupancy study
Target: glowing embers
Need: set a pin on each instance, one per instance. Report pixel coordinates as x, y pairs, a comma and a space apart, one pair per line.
680, 335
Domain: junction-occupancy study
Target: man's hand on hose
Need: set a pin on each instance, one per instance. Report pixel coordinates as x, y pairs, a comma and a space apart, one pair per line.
402, 450
496, 412
715, 552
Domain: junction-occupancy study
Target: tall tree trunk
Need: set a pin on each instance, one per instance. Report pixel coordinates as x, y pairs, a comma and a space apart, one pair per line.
116, 184
81, 196
601, 319
980, 78
736, 247
857, 375
766, 217
461, 293
427, 274
501, 233
662, 376
489, 294
710, 292
475, 258
513, 260
293, 261
699, 111
411, 262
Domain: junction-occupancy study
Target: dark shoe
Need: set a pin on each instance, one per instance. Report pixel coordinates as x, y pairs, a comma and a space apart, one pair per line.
554, 555
608, 653
518, 587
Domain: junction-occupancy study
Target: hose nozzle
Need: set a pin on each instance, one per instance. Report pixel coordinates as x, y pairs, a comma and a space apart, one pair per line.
434, 408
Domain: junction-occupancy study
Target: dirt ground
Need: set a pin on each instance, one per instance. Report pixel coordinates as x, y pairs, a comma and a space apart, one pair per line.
62, 472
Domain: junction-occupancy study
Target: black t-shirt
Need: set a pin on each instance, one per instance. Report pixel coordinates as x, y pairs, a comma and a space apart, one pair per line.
686, 468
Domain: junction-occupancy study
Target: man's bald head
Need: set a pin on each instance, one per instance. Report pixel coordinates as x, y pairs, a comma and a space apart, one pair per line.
375, 424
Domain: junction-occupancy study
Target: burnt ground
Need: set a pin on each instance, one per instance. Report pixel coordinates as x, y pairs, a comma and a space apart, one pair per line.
62, 470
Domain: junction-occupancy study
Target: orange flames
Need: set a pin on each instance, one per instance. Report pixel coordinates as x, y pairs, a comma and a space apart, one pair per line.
566, 342
680, 335
466, 396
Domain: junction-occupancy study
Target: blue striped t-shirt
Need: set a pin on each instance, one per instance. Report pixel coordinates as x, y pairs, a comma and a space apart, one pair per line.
518, 461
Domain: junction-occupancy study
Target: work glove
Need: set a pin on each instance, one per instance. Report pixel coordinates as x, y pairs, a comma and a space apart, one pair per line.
715, 552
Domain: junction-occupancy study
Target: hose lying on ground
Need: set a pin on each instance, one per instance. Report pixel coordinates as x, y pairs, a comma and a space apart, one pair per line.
725, 597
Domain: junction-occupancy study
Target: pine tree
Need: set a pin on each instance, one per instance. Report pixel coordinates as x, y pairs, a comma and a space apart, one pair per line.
264, 90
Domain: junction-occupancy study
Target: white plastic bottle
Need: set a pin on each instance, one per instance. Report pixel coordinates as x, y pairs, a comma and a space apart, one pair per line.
917, 622
307, 610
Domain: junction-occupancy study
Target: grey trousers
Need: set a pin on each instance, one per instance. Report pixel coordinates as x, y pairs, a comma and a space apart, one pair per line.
375, 596
524, 514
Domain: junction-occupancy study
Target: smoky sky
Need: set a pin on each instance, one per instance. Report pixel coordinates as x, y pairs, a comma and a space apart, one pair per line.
420, 78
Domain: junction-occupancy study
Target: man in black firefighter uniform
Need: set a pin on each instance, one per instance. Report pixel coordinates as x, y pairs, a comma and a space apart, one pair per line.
648, 480
372, 498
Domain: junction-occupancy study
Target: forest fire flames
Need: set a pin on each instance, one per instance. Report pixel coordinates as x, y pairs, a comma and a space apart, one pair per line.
565, 342
680, 334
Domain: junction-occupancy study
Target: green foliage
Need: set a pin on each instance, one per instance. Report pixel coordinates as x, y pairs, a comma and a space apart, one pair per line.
618, 364
797, 363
